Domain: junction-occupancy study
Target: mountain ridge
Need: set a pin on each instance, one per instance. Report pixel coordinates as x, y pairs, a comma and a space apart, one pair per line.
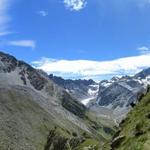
82, 90
33, 106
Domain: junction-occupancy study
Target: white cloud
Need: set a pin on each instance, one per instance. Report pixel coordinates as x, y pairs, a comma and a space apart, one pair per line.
92, 69
144, 50
23, 43
43, 13
4, 17
2, 33
75, 4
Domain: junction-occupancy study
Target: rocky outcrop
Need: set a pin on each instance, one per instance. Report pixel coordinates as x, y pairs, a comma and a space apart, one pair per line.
116, 142
143, 74
72, 105
55, 141
9, 64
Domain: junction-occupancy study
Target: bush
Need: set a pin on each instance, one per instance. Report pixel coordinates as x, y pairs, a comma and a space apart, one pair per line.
74, 134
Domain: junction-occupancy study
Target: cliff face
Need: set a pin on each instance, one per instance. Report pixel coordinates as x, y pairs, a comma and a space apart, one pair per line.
134, 132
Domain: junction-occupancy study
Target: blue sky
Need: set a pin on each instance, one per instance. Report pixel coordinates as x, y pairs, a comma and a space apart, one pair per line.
55, 34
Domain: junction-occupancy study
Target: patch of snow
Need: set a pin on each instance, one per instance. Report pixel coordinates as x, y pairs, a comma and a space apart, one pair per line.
106, 84
67, 90
110, 106
87, 100
138, 80
93, 92
146, 81
72, 91
94, 85
126, 86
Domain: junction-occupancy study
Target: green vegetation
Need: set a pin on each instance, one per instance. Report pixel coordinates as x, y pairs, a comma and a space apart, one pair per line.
135, 129
90, 144
57, 141
101, 127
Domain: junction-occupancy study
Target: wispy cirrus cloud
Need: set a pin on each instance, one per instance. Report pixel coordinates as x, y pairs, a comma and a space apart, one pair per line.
43, 13
93, 69
4, 17
144, 50
23, 43
75, 5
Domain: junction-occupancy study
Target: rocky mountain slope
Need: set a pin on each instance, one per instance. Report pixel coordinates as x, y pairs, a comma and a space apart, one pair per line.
36, 113
82, 90
119, 94
111, 99
134, 132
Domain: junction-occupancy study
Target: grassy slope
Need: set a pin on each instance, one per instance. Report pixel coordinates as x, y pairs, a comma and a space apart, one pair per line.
26, 125
23, 124
136, 128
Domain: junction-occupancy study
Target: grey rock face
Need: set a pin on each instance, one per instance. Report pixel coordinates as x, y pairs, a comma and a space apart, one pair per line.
9, 64
119, 94
124, 91
143, 74
77, 88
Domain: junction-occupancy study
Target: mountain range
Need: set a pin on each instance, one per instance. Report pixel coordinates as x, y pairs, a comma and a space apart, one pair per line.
82, 90
110, 98
45, 112
36, 113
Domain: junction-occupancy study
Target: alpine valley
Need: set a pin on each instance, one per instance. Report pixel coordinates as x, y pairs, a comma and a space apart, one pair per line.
44, 112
